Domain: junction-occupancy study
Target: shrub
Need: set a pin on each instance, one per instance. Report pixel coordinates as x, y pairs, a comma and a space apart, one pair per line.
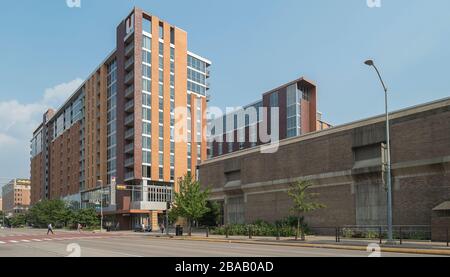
260, 228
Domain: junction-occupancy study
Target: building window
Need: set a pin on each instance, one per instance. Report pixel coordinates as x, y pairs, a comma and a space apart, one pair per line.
161, 117
161, 159
147, 43
161, 49
172, 35
161, 30
293, 111
161, 90
306, 94
230, 147
161, 173
274, 99
146, 142
146, 128
146, 71
147, 25
161, 145
146, 57
146, 157
146, 99
146, 171
147, 114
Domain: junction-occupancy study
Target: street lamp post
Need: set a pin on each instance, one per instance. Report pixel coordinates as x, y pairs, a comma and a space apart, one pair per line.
101, 205
388, 155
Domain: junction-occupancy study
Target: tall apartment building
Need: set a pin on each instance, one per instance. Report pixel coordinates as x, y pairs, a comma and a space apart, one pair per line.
119, 126
297, 115
16, 197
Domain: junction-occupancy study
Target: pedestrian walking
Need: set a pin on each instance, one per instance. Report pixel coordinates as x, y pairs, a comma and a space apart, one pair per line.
79, 227
50, 229
161, 227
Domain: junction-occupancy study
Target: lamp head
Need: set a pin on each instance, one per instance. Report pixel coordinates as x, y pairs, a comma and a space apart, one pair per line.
369, 62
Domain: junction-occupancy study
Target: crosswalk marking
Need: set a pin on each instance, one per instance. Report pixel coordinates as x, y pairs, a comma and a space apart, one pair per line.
38, 237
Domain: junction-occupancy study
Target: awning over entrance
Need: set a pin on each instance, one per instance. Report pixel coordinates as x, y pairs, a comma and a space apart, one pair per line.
445, 206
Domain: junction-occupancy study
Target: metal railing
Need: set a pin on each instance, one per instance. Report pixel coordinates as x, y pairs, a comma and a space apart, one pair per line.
129, 133
129, 48
129, 91
129, 162
129, 77
129, 119
129, 147
129, 62
402, 234
129, 105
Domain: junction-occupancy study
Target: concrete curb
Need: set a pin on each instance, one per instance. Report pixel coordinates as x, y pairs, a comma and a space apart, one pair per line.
324, 246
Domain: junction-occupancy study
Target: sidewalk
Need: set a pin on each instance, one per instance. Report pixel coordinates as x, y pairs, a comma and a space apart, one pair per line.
408, 246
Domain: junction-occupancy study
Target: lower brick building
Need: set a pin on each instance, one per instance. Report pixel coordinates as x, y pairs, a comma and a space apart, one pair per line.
345, 165
15, 197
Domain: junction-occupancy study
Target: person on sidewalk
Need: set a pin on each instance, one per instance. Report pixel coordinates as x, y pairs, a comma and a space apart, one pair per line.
50, 229
161, 227
79, 227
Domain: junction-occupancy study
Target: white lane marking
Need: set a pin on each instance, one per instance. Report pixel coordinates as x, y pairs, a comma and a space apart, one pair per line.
36, 240
47, 239
2, 242
13, 241
24, 240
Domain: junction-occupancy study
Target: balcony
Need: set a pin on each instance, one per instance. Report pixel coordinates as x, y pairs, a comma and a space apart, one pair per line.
129, 106
129, 92
146, 205
129, 120
129, 63
129, 134
152, 198
129, 162
129, 78
129, 148
129, 50
129, 176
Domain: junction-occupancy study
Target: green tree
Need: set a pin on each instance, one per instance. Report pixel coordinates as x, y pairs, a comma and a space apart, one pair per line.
88, 217
302, 203
49, 211
190, 201
18, 220
214, 216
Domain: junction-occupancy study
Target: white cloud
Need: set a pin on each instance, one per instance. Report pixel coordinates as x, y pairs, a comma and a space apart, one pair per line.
55, 96
18, 121
6, 140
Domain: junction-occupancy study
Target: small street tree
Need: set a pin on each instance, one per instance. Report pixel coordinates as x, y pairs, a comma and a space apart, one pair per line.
302, 202
190, 201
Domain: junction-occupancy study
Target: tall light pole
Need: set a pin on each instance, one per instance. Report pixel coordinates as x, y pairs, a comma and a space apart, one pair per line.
388, 155
101, 205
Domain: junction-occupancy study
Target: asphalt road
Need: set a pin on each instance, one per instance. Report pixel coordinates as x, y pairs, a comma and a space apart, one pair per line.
35, 243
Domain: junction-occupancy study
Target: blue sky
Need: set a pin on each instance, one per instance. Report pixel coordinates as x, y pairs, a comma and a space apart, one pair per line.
47, 50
